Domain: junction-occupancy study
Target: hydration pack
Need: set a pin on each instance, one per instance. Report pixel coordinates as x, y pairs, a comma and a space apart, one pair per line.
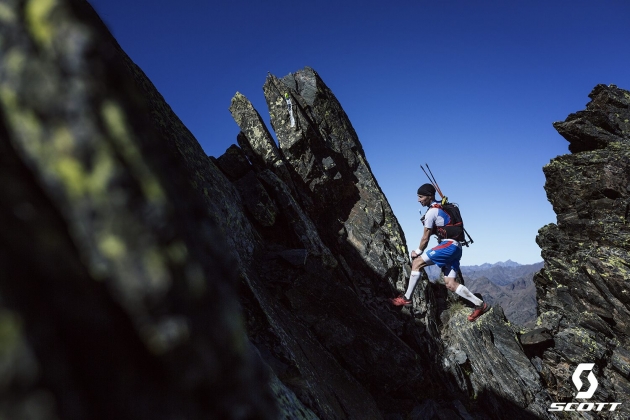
455, 228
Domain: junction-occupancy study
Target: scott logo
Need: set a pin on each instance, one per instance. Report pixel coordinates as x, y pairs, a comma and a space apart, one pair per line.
591, 378
585, 406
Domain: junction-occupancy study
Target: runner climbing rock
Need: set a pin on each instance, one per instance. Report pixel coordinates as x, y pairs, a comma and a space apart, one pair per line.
445, 255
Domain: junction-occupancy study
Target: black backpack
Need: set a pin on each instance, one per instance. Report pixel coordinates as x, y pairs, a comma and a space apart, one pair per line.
455, 228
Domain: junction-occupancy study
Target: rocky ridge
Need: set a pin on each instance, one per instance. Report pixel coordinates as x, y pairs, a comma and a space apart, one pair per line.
142, 279
582, 292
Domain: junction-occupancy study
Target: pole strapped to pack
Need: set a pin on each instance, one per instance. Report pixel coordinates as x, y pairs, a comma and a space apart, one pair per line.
434, 183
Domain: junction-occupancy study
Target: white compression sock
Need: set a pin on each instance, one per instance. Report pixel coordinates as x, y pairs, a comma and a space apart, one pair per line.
413, 279
467, 294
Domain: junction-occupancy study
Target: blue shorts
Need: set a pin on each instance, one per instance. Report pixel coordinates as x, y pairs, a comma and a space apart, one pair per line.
445, 255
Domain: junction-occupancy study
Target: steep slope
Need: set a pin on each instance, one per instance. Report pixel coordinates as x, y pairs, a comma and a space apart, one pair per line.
117, 299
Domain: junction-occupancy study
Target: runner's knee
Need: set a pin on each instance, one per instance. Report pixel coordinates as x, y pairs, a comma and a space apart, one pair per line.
450, 283
418, 264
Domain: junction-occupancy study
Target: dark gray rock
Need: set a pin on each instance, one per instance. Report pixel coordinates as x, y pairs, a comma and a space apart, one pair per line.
620, 360
536, 341
496, 371
536, 336
256, 140
233, 163
114, 281
605, 120
295, 257
313, 291
256, 200
323, 150
582, 292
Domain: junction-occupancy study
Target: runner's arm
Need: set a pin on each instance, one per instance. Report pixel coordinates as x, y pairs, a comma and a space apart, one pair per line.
424, 242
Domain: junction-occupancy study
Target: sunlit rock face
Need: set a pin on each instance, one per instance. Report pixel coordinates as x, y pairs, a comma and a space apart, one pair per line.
330, 259
583, 292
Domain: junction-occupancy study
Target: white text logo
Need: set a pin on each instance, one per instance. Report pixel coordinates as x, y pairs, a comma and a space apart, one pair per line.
585, 406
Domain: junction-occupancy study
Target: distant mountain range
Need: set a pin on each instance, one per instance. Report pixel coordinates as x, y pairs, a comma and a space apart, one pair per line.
508, 263
508, 284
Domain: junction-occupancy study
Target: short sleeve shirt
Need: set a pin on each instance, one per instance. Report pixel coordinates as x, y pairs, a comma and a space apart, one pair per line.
435, 217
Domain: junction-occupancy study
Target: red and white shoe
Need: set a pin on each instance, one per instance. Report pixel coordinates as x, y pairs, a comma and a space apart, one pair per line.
401, 300
479, 310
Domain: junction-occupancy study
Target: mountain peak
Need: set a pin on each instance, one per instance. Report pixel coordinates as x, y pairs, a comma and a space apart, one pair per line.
508, 263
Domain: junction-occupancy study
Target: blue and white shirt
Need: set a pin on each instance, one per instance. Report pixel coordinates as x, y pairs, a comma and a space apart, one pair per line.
436, 217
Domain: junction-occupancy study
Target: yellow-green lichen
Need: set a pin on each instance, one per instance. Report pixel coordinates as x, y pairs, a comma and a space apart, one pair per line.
77, 179
587, 342
117, 128
101, 173
37, 13
26, 126
62, 140
156, 270
112, 246
71, 173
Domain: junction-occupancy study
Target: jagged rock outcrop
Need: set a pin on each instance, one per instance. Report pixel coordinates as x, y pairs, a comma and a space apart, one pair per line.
329, 262
582, 290
140, 278
583, 294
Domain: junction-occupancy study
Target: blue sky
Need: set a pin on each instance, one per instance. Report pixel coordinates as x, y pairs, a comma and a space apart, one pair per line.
469, 87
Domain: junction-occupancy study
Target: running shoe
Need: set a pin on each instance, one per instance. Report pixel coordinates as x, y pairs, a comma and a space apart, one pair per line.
479, 310
401, 301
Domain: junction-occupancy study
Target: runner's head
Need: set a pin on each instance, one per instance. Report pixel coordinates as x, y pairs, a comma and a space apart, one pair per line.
426, 194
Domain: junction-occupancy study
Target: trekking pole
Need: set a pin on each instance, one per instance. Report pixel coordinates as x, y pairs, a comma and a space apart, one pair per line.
469, 237
434, 183
430, 180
